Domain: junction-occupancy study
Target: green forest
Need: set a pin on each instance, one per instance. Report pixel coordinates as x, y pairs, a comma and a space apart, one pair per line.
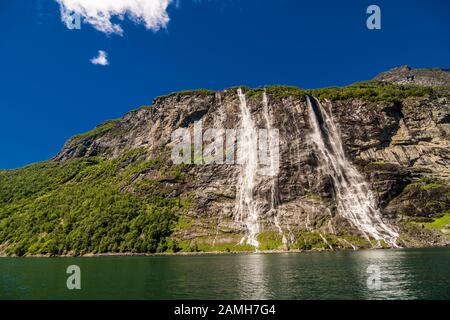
81, 206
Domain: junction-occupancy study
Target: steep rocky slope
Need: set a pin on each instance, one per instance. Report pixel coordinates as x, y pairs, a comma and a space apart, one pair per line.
396, 134
423, 77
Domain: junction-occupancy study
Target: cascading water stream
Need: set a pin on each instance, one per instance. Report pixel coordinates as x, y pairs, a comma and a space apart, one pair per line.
354, 200
247, 210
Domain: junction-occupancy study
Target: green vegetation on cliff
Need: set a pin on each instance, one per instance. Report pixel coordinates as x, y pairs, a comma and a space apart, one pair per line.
97, 131
80, 207
373, 91
439, 223
427, 184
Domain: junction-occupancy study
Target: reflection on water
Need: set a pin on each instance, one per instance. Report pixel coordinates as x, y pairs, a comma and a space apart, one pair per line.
253, 277
404, 274
396, 280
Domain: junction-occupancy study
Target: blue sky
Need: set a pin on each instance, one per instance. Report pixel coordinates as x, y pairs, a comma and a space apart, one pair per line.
50, 91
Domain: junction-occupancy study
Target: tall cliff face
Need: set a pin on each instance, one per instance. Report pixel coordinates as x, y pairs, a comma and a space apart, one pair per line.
393, 144
396, 137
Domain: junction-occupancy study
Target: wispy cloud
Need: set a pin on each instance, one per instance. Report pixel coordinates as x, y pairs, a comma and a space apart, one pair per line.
101, 59
151, 13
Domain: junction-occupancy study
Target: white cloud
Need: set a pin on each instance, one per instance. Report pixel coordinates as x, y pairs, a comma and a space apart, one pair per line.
151, 13
101, 59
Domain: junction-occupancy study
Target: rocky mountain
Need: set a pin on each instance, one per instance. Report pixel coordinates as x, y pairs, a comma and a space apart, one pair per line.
356, 164
423, 77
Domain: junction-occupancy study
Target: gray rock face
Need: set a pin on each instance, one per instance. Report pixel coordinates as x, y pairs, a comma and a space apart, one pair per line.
421, 139
390, 144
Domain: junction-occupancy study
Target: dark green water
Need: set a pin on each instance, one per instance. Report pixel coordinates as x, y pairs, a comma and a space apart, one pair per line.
404, 274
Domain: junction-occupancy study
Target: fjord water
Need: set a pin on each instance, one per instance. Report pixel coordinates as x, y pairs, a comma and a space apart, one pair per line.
404, 274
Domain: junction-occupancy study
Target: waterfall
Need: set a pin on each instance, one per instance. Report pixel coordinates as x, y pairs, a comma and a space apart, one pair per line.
353, 197
247, 210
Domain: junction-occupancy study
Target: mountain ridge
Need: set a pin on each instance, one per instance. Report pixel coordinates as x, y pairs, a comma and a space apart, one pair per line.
115, 190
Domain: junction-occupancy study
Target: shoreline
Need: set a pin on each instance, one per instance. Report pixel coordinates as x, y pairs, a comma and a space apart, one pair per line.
180, 254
